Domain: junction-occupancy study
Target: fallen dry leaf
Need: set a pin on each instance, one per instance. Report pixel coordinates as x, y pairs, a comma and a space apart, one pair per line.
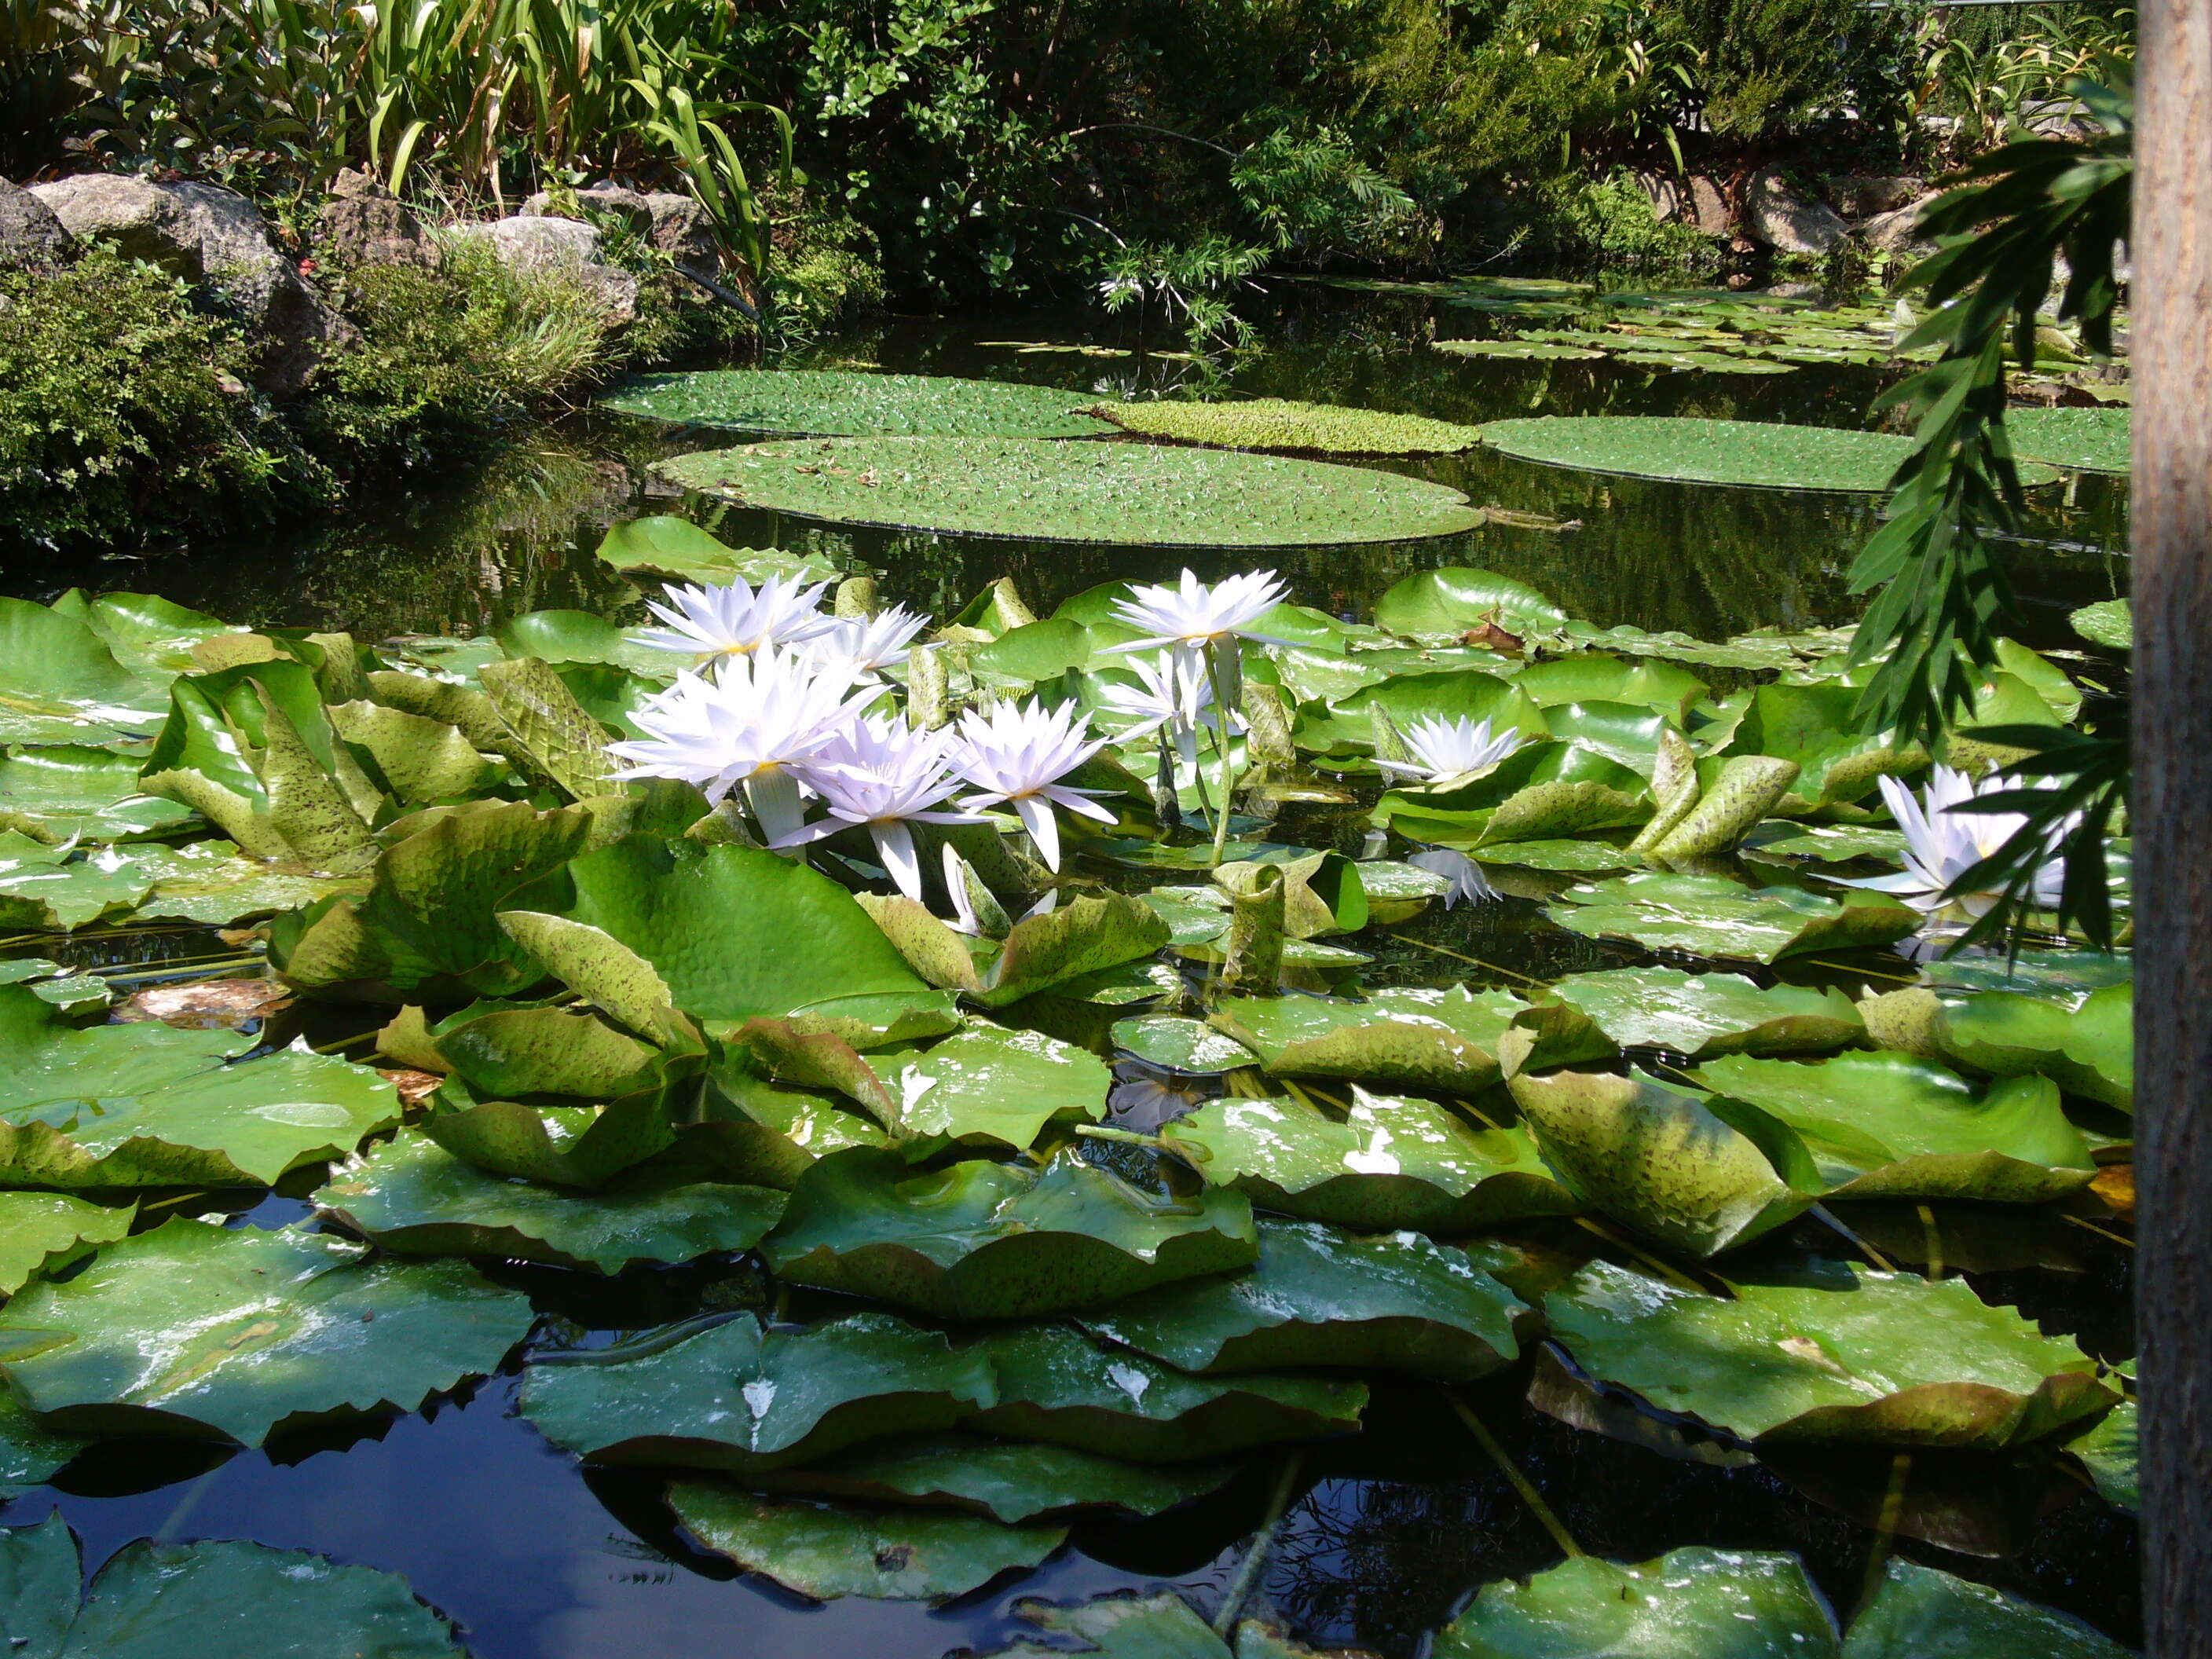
413, 1085
206, 1004
2116, 1185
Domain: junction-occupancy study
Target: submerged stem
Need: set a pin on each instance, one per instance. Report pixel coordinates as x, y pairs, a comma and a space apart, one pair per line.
1512, 1471
1217, 672
1240, 1588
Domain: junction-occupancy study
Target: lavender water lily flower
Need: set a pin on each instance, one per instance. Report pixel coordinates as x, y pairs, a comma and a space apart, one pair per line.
715, 623
1193, 615
860, 647
883, 776
1445, 749
1170, 692
1017, 754
1941, 844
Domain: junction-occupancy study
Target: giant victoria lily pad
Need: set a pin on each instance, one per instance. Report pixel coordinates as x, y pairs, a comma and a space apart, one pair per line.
1125, 493
1693, 1603
197, 1329
1279, 424
163, 1601
1830, 1352
1392, 1163
1713, 916
412, 1197
1699, 1016
827, 1550
146, 1105
837, 403
997, 1241
2088, 440
1317, 1297
1890, 1126
1442, 1039
1710, 452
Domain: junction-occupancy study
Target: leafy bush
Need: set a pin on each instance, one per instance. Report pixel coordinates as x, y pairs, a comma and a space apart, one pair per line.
124, 414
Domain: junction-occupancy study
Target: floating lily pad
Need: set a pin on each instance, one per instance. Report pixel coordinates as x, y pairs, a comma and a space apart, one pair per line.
1318, 1296
1671, 1164
1538, 350
54, 888
730, 1396
1126, 493
1543, 791
1919, 1613
835, 403
161, 1601
68, 790
1086, 934
1010, 1481
1702, 1015
1445, 1039
991, 1085
1890, 1126
2108, 622
150, 635
827, 1550
2110, 1452
1712, 916
997, 1241
143, 1105
1391, 1164
413, 1198
212, 883
1580, 858
2084, 439
1830, 842
1180, 1043
1276, 424
673, 549
2089, 1050
1057, 1385
1693, 1603
1161, 1626
1452, 601
1708, 452
59, 682
41, 1233
197, 1329
1833, 1352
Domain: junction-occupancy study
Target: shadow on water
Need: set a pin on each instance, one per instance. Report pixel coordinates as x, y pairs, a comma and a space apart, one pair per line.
1391, 1530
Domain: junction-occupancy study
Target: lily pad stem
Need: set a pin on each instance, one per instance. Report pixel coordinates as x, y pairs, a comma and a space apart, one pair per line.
1126, 1137
1240, 1588
1822, 1213
1884, 1531
1472, 962
1512, 1471
1216, 668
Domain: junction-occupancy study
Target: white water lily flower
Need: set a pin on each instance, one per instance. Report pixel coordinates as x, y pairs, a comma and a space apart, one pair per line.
1941, 844
881, 775
1193, 615
1451, 748
860, 647
713, 624
1170, 693
1467, 881
1018, 754
757, 725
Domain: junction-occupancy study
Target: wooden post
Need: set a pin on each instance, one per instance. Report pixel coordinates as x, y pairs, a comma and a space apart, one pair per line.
2171, 343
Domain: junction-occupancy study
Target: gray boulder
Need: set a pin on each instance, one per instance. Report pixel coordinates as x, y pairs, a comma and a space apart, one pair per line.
540, 245
1894, 233
31, 237
605, 196
684, 231
1867, 196
214, 239
364, 224
1777, 216
1708, 207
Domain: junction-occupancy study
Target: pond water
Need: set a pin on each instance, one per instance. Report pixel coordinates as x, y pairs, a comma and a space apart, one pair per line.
1389, 1531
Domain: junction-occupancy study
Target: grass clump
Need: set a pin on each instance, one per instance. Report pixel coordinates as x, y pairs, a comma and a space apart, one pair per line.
1279, 424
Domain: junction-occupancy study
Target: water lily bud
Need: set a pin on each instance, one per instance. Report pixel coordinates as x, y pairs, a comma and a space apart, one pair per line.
1389, 742
1673, 787
1745, 791
929, 692
1267, 726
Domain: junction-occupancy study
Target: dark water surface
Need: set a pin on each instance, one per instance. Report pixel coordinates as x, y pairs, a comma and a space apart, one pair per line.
1391, 1530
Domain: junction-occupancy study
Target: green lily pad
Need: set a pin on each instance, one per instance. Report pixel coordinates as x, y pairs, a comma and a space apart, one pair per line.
1815, 726
517, 1050
2087, 1049
1124, 493
1832, 1352
1713, 916
1891, 1126
989, 1085
1919, 1613
730, 1396
1594, 677
1708, 452
1392, 1163
1579, 858
577, 1146
997, 1241
150, 635
2109, 1451
1830, 842
161, 1601
1433, 1038
1276, 424
827, 1550
67, 790
1677, 1167
1010, 1481
1702, 1015
727, 934
1083, 935
834, 403
197, 1329
212, 883
1180, 1043
145, 1105
1455, 599
1541, 791
2064, 976
412, 1197
1318, 1296
1057, 1385
2083, 439
675, 550
2108, 622
41, 1233
1693, 1603
1527, 349
1160, 1626
59, 682
53, 888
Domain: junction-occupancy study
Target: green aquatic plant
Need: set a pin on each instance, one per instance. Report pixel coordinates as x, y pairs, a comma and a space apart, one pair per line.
826, 403
1277, 424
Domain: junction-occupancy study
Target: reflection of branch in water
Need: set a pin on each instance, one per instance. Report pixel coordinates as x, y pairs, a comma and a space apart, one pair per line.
1382, 1562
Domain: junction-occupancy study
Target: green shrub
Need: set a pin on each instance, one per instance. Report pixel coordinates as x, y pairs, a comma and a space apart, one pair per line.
1610, 221
449, 358
125, 414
